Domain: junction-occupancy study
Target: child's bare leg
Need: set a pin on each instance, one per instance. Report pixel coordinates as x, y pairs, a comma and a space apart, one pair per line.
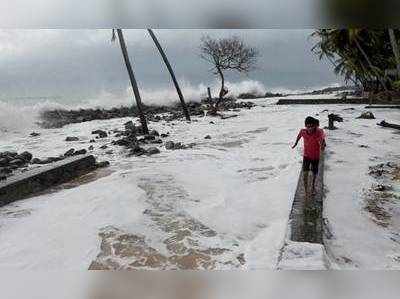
305, 180
313, 183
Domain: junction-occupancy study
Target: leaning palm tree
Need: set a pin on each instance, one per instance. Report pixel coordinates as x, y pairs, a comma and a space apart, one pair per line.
135, 88
395, 49
171, 71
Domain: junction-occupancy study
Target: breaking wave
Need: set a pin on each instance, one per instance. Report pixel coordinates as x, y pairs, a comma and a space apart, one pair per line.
20, 115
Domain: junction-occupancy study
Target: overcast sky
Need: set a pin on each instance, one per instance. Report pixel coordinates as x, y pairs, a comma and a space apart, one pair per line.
84, 63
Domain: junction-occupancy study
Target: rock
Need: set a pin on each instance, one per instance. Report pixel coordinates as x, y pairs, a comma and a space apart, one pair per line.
109, 152
36, 161
149, 137
381, 188
26, 156
129, 126
102, 164
90, 148
16, 162
4, 161
154, 133
8, 155
80, 152
169, 145
137, 151
367, 115
104, 146
71, 138
207, 137
5, 170
34, 134
92, 141
211, 122
101, 133
152, 151
156, 141
69, 152
3, 177
164, 135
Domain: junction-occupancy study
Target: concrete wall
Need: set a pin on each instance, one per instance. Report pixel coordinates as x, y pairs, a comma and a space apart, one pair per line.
22, 185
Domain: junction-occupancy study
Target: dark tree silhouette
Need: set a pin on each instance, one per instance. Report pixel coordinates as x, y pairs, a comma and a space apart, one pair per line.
132, 79
227, 54
171, 71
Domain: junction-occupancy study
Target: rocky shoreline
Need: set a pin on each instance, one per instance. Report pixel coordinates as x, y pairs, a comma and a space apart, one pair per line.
60, 117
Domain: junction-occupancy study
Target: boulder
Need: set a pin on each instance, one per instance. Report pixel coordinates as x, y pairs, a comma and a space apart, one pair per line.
169, 145
8, 155
34, 134
104, 146
164, 135
36, 161
156, 141
90, 148
80, 152
4, 161
152, 151
16, 162
69, 152
5, 170
26, 156
100, 133
154, 133
367, 115
71, 138
207, 137
102, 164
137, 151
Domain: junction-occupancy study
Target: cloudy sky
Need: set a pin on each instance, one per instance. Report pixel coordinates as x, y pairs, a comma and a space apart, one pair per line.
84, 63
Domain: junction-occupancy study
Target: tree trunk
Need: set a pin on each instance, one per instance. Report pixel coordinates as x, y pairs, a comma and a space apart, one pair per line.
209, 94
133, 81
395, 49
164, 57
370, 64
221, 92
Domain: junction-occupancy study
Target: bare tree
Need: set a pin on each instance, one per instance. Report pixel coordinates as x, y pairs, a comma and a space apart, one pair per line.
171, 71
227, 54
132, 79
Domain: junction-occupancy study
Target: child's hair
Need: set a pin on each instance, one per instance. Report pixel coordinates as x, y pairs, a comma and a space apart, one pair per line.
309, 120
316, 122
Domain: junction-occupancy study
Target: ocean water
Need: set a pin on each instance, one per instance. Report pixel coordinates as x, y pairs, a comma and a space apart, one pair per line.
22, 113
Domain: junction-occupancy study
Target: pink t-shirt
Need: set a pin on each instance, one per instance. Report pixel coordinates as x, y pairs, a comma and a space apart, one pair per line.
312, 143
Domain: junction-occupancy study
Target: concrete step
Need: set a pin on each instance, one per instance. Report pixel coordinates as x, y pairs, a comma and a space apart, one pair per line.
39, 179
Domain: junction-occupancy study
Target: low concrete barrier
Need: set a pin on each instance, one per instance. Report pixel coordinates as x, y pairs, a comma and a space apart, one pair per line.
22, 185
305, 221
322, 101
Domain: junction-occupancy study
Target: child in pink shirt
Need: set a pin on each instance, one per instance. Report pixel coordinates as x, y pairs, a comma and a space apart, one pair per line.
314, 140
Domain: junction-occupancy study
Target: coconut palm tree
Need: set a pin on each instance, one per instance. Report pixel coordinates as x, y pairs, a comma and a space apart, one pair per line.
353, 48
171, 71
395, 49
132, 79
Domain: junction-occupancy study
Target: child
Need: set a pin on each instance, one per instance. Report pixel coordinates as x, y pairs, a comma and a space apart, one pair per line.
314, 140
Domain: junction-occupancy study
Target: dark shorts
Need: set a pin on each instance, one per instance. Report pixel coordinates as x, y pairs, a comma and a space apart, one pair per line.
313, 164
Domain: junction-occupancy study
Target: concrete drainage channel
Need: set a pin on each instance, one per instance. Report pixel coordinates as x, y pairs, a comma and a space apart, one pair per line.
23, 185
304, 248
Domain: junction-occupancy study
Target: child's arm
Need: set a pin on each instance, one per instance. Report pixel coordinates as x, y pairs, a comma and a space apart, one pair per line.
297, 140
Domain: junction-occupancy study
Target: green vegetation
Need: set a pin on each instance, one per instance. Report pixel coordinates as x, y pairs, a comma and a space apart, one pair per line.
364, 57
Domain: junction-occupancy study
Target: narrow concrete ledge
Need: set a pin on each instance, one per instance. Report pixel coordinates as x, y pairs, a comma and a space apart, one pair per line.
39, 179
382, 107
322, 101
305, 220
